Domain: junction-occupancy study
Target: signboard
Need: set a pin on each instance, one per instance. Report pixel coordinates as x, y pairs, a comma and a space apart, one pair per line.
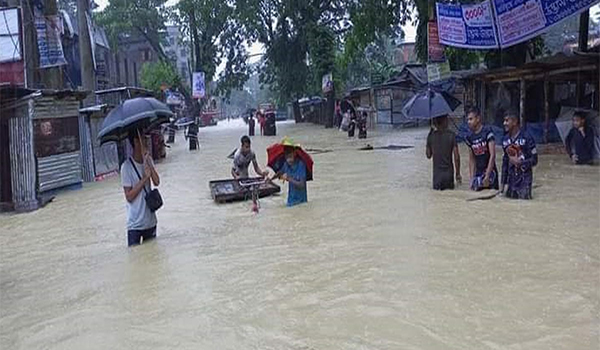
49, 29
438, 71
198, 87
434, 48
327, 83
467, 26
520, 20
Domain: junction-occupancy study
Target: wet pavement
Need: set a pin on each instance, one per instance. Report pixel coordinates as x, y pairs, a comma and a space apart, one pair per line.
375, 260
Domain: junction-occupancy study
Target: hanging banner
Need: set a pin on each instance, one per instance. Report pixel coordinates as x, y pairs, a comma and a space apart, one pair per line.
466, 26
198, 87
434, 48
520, 20
327, 83
49, 29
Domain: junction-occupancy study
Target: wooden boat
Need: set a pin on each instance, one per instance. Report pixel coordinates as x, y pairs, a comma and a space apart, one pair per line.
231, 190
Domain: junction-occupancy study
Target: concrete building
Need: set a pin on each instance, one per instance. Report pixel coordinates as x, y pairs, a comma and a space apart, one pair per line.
179, 53
133, 52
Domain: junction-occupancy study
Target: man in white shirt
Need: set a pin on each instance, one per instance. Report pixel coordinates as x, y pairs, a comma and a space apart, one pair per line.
136, 173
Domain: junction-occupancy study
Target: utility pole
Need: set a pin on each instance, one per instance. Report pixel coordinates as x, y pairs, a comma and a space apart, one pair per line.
584, 24
30, 52
52, 77
88, 76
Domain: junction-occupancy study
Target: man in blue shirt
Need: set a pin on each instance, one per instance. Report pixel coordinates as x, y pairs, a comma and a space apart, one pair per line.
482, 153
580, 141
520, 156
294, 171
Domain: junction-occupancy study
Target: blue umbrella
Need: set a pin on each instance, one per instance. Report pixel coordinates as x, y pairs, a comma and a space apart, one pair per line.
430, 104
136, 113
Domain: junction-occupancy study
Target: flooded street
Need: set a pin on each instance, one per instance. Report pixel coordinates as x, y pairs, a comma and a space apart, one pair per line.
375, 260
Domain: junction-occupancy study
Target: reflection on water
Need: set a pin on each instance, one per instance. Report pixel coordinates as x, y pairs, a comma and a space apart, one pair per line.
376, 260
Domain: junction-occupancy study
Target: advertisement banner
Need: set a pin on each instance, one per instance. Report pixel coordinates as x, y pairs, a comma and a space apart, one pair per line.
466, 26
327, 83
520, 20
434, 48
198, 86
50, 48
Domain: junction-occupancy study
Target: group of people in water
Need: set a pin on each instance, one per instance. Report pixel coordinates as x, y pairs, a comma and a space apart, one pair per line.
519, 158
515, 180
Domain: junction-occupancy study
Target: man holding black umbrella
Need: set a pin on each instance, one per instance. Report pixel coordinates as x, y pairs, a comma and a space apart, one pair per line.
136, 174
441, 145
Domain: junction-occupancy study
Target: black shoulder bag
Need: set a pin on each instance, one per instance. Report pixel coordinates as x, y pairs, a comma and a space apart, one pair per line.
153, 198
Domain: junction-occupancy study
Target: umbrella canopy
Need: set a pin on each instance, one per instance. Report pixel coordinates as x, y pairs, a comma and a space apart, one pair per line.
185, 122
136, 113
430, 104
276, 157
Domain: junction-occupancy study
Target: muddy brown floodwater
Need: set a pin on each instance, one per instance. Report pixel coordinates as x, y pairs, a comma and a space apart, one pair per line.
376, 260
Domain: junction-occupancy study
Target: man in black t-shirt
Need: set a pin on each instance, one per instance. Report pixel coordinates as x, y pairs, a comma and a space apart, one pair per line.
482, 153
441, 145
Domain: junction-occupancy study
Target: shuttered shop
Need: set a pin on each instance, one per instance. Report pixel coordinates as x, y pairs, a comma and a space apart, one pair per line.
57, 143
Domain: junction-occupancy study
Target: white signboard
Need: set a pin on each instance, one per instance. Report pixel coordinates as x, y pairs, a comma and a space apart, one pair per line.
198, 86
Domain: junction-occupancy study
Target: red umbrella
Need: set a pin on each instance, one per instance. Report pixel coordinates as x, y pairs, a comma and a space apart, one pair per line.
276, 157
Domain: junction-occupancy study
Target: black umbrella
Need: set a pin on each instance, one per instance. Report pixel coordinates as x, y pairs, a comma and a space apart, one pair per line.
430, 104
136, 113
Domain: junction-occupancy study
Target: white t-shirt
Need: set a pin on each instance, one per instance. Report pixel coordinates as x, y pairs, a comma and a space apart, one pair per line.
139, 216
241, 163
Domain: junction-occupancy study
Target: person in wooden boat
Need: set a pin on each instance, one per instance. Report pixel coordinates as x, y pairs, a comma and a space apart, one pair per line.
242, 159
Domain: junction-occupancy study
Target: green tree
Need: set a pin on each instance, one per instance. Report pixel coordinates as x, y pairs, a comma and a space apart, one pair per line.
303, 39
215, 35
135, 17
154, 75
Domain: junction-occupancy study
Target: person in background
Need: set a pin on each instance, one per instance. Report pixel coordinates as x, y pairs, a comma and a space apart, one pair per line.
242, 159
362, 126
352, 124
136, 174
294, 172
520, 156
262, 121
192, 136
442, 146
580, 141
251, 125
482, 153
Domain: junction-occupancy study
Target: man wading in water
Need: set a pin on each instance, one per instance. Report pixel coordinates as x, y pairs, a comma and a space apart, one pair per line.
136, 174
520, 156
441, 145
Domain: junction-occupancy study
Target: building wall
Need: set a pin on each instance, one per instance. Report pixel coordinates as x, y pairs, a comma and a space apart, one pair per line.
178, 52
132, 55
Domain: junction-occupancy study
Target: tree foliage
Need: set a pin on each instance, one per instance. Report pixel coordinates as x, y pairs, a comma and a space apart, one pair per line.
215, 35
305, 39
154, 75
146, 18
